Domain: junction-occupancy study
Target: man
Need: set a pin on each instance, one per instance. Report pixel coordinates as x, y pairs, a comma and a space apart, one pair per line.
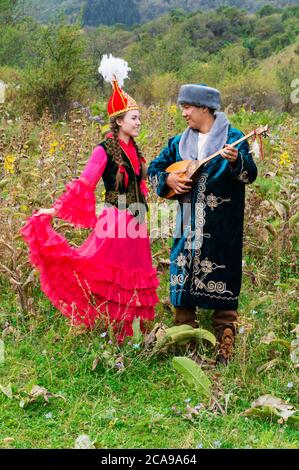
206, 257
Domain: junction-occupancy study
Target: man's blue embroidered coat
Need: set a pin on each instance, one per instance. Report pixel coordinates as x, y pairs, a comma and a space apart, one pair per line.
206, 257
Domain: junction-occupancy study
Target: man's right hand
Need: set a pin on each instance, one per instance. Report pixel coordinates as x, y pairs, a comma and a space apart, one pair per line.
178, 182
45, 212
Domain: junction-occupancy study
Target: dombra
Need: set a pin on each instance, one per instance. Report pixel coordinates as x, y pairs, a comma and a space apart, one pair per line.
192, 168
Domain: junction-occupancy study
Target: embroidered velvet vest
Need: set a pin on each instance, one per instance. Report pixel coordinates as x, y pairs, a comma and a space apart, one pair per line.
131, 194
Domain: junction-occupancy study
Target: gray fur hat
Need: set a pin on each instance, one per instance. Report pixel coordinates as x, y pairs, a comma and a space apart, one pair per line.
199, 95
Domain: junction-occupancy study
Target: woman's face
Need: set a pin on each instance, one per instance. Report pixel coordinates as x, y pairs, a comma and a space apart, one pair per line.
130, 123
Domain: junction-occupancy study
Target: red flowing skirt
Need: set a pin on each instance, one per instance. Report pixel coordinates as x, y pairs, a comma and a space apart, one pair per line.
110, 276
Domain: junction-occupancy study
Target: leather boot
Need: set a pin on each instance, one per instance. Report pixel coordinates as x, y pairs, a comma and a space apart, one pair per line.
186, 316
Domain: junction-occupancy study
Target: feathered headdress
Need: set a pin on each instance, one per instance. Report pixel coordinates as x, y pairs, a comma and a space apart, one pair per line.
115, 71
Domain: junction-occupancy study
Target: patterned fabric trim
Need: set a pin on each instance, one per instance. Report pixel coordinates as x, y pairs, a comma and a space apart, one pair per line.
243, 175
194, 266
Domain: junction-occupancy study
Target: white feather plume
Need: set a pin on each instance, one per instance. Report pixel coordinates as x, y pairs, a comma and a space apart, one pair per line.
112, 68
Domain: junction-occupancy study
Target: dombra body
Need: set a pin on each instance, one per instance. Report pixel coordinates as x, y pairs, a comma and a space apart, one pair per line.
192, 168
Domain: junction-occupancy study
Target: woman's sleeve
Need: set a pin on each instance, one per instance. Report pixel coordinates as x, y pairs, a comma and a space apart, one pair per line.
78, 203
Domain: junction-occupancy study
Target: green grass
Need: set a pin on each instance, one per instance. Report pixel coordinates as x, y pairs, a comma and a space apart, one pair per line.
144, 405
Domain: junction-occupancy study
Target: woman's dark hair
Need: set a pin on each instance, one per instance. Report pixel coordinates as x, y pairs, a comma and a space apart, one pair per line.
116, 148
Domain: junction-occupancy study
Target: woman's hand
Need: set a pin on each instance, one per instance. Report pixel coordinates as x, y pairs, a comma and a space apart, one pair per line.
230, 154
46, 212
180, 184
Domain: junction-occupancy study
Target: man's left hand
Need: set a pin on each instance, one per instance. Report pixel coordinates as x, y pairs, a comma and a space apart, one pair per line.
230, 154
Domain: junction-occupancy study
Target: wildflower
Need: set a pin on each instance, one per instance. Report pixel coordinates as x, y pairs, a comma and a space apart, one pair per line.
284, 159
217, 444
241, 330
9, 160
198, 407
53, 147
110, 341
49, 416
192, 411
253, 312
199, 445
290, 385
187, 400
84, 442
104, 334
119, 365
172, 110
136, 346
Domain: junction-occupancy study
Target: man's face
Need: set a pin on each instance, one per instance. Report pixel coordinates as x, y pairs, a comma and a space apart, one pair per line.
194, 116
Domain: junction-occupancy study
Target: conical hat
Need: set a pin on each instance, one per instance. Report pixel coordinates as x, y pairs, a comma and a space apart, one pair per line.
120, 102
115, 71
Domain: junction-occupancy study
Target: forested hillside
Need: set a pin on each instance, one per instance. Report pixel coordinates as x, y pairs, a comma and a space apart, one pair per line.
225, 48
129, 12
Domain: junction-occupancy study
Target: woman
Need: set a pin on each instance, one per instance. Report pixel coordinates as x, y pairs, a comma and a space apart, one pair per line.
110, 276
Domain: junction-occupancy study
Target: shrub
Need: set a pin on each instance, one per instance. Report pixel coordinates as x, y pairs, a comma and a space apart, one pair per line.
60, 73
252, 92
158, 89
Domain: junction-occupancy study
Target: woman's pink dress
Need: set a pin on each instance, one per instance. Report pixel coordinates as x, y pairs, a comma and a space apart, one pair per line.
110, 276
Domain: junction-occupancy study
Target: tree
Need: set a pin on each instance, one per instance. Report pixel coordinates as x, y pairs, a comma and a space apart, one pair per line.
267, 10
60, 74
11, 12
285, 74
109, 12
7, 10
15, 33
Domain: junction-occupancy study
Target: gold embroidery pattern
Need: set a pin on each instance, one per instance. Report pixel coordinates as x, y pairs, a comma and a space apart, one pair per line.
178, 279
214, 201
122, 200
196, 267
243, 175
183, 262
201, 269
131, 103
200, 212
206, 266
